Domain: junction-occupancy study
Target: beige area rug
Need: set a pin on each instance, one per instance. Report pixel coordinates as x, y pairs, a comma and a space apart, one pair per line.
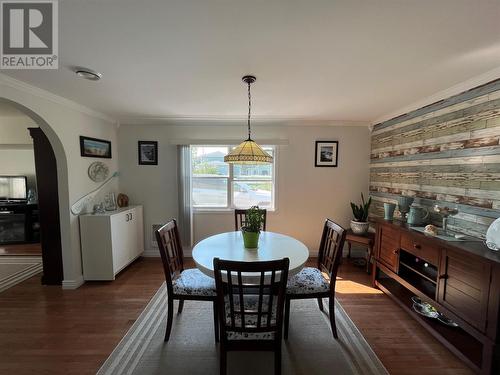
15, 269
310, 348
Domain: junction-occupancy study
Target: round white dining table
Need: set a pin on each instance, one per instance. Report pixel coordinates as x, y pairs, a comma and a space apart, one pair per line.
229, 246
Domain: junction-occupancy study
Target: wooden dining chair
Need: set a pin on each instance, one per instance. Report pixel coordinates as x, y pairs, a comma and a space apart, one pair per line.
182, 284
240, 216
319, 282
250, 311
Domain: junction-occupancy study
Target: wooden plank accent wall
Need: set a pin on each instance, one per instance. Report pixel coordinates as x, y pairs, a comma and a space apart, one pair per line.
446, 153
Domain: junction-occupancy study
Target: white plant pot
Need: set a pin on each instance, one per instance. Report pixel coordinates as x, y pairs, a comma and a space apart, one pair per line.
359, 227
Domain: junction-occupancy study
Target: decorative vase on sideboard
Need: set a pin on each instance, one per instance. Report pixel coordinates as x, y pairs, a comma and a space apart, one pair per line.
389, 211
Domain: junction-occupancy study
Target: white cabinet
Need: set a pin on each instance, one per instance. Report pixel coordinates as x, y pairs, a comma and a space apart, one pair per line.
110, 241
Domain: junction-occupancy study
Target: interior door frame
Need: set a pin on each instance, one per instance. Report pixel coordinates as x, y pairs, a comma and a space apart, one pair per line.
48, 206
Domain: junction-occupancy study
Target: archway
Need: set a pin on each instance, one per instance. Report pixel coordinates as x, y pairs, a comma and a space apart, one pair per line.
62, 238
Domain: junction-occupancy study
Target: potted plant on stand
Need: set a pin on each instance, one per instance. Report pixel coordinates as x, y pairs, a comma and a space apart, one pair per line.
254, 219
360, 223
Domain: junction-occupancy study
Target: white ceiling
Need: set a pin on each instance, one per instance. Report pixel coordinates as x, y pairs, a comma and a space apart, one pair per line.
352, 60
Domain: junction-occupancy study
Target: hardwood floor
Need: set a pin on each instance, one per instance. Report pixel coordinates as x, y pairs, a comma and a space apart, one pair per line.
46, 330
400, 342
32, 249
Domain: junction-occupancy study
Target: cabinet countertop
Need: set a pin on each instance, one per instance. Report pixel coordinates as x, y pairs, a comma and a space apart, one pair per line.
477, 248
117, 211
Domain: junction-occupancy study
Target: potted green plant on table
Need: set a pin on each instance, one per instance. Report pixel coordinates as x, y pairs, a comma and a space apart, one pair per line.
254, 219
360, 223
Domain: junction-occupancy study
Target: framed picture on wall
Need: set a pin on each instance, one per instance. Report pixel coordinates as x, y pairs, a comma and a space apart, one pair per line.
327, 153
95, 148
148, 152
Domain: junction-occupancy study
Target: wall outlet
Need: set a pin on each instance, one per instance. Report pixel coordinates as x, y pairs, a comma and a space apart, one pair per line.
154, 228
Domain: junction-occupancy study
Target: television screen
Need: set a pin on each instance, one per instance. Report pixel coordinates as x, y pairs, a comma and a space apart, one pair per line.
12, 187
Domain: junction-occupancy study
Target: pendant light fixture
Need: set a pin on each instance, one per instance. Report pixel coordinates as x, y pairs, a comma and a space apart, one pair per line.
248, 152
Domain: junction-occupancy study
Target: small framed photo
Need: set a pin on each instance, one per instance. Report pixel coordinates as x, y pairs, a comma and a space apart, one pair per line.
327, 153
95, 148
148, 153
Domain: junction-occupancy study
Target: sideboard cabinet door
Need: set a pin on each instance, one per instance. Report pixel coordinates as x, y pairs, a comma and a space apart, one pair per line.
389, 244
464, 283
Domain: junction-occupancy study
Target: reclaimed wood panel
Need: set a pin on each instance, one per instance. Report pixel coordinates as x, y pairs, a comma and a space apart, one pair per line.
445, 153
480, 94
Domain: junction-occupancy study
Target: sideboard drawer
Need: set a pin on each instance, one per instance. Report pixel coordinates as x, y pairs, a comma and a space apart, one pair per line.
390, 232
420, 249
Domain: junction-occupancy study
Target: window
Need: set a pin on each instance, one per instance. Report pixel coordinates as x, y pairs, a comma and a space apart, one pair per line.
219, 185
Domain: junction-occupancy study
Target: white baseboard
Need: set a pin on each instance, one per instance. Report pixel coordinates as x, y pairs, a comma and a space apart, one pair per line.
73, 284
151, 253
155, 253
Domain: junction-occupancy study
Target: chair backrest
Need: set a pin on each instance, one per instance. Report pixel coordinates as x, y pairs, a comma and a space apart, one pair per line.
240, 218
330, 249
255, 305
169, 244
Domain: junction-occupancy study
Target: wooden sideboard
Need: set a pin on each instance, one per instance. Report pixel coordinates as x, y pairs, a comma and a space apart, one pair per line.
460, 279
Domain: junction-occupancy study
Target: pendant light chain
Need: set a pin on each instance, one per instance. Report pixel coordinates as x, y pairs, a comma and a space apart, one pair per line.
248, 152
249, 110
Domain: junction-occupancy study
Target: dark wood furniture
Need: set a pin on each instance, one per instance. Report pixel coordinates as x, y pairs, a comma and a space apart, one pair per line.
48, 204
169, 244
251, 315
367, 240
240, 218
330, 253
460, 279
19, 223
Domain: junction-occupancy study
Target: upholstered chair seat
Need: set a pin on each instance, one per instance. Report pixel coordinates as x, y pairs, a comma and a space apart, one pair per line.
319, 282
182, 284
192, 282
308, 280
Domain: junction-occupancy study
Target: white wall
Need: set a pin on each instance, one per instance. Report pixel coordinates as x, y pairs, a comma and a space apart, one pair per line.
18, 162
16, 150
305, 195
63, 122
14, 130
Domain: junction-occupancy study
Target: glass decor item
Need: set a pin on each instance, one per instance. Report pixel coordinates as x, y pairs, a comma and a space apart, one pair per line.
248, 152
110, 202
404, 204
98, 208
389, 211
445, 212
32, 199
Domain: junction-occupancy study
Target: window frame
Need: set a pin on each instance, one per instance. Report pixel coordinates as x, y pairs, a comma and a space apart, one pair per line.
230, 180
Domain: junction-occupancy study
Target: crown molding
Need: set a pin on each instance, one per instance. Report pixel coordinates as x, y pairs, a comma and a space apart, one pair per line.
230, 141
41, 93
238, 120
443, 94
